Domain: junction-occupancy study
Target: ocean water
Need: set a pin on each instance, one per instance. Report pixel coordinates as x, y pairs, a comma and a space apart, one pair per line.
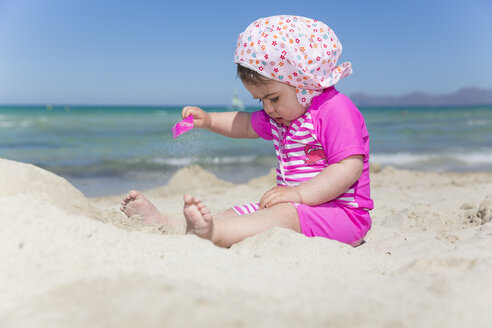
105, 150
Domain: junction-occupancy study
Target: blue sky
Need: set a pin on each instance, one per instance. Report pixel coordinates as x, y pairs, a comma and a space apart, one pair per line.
181, 52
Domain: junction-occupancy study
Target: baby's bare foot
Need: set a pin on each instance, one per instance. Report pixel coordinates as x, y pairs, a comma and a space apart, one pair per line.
136, 204
199, 221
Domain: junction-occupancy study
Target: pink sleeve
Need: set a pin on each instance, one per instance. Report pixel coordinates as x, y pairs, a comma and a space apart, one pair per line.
260, 122
341, 129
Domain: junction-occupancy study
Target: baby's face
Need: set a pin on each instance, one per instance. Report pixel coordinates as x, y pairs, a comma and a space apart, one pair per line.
279, 100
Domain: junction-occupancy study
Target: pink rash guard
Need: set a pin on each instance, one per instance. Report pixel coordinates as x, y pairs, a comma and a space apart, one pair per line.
331, 130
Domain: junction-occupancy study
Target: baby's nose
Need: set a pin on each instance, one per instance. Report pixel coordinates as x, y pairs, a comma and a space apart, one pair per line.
268, 108
270, 112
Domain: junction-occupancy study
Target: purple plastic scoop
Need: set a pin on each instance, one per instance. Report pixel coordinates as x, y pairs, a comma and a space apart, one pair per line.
183, 126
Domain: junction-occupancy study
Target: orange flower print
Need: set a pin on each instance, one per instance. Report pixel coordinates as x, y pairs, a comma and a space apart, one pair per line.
281, 64
302, 49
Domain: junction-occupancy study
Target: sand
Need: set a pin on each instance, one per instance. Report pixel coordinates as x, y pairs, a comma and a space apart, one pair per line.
69, 261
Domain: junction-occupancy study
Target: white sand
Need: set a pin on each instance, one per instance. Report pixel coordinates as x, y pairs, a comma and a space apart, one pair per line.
66, 261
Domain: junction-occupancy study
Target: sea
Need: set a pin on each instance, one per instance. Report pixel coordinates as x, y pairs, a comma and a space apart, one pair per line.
105, 150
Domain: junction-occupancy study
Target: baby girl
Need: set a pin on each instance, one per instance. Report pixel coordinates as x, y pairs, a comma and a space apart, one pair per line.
320, 138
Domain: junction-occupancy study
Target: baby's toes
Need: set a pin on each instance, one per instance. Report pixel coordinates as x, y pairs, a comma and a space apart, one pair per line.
204, 210
188, 199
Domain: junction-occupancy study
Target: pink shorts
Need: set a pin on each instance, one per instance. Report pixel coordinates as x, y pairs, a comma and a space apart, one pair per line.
330, 220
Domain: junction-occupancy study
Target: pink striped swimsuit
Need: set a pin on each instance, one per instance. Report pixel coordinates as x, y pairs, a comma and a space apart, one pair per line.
331, 130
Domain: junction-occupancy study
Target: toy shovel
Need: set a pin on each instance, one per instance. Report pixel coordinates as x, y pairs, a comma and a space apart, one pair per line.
183, 126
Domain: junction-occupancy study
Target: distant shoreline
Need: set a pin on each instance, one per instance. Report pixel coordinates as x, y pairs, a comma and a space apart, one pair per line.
469, 96
220, 107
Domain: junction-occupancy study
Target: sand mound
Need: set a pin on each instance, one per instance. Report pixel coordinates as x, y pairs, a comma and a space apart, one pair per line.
60, 267
28, 183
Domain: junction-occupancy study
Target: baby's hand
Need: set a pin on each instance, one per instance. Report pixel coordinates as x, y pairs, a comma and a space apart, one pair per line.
280, 194
201, 119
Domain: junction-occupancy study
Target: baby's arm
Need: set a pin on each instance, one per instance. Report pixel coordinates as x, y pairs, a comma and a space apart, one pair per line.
229, 124
329, 184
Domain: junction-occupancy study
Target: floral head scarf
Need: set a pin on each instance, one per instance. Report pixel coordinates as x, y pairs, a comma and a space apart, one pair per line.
299, 51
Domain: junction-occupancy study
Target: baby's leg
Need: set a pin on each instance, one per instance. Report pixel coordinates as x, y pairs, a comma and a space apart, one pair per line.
228, 230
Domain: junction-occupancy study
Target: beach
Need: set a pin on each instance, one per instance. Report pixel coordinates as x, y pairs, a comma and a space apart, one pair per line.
72, 261
102, 98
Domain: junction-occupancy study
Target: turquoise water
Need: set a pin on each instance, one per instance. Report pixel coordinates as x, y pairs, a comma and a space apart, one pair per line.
105, 150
